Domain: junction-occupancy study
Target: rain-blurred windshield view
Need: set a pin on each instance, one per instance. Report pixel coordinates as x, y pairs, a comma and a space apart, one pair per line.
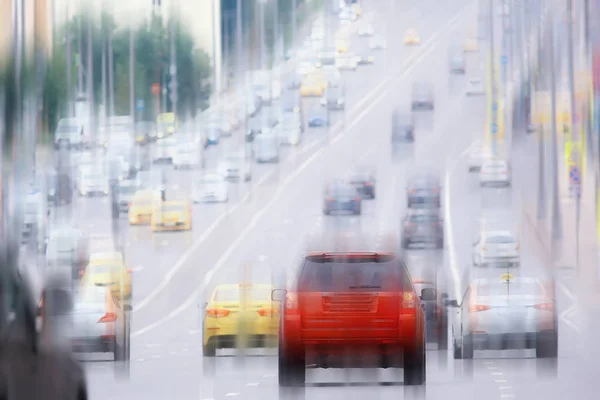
299, 199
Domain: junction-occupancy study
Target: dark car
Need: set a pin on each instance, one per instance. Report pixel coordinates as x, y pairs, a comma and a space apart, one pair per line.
364, 182
318, 118
334, 98
342, 197
423, 191
403, 126
327, 56
422, 97
125, 192
423, 226
145, 131
60, 188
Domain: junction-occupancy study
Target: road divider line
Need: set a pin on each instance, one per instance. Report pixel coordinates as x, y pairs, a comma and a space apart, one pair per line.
409, 65
424, 49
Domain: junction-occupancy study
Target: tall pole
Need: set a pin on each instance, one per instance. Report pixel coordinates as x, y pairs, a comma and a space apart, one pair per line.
241, 65
90, 76
80, 49
571, 66
556, 219
215, 80
104, 94
132, 75
111, 73
68, 60
173, 67
294, 23
261, 24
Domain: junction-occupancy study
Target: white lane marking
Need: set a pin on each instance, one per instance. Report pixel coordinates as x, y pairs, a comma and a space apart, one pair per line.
497, 373
566, 291
262, 258
448, 216
500, 381
195, 331
504, 387
491, 368
232, 394
564, 317
411, 64
507, 396
288, 221
156, 356
253, 384
137, 268
488, 362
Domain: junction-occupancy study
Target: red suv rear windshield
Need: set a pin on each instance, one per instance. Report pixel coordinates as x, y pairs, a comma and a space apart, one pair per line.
336, 273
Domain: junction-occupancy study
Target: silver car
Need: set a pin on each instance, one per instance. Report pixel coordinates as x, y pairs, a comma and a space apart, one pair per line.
93, 181
164, 150
95, 321
235, 167
210, 188
505, 312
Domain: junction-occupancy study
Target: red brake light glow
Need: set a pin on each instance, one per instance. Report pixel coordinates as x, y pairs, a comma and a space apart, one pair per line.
478, 307
265, 312
545, 306
217, 312
109, 317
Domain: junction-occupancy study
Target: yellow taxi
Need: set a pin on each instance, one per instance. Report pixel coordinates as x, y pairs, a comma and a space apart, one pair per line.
108, 268
239, 315
166, 124
313, 85
411, 37
341, 46
471, 45
172, 216
142, 204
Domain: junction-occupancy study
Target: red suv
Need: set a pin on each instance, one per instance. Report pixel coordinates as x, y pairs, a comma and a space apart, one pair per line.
351, 310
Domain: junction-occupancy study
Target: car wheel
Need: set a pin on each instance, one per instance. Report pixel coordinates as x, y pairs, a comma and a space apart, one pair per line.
326, 211
210, 349
292, 370
440, 244
456, 349
357, 212
442, 338
415, 367
405, 244
467, 347
546, 345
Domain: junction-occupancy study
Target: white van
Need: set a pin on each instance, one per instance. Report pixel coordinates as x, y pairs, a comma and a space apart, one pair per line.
266, 148
70, 134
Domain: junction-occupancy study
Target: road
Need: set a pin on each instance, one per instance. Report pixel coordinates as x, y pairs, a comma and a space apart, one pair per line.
261, 232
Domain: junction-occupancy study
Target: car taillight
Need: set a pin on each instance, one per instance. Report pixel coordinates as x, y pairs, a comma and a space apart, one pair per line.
357, 198
291, 301
478, 307
266, 312
330, 198
409, 300
410, 225
544, 306
368, 184
217, 312
109, 317
412, 191
484, 249
517, 247
436, 190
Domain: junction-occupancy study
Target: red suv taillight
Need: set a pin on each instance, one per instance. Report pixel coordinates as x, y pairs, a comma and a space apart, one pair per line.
409, 300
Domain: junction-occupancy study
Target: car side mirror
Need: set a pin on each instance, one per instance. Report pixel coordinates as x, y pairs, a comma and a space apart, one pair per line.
451, 303
428, 294
203, 305
278, 294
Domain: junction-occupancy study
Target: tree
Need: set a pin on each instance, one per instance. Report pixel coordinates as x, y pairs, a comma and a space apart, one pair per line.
152, 59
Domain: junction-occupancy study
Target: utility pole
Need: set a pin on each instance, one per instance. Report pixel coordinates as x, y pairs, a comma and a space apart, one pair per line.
132, 108
294, 23
241, 65
103, 44
261, 24
556, 219
173, 66
80, 49
111, 73
90, 78
69, 60
571, 66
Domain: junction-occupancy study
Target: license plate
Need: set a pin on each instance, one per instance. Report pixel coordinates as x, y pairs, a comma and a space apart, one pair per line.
170, 224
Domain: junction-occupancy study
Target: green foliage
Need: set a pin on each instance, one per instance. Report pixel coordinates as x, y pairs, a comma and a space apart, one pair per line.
152, 58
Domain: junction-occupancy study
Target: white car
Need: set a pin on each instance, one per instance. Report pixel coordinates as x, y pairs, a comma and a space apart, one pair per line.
164, 150
505, 312
187, 156
478, 155
266, 148
235, 167
345, 62
475, 87
494, 173
288, 134
366, 31
93, 181
377, 43
496, 248
210, 188
95, 319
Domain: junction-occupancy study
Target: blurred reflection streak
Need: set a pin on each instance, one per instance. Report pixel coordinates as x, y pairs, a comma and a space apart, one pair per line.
415, 393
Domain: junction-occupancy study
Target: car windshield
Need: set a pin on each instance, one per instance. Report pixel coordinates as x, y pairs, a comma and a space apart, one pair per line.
354, 273
235, 295
104, 268
342, 191
68, 130
500, 239
172, 208
515, 288
424, 218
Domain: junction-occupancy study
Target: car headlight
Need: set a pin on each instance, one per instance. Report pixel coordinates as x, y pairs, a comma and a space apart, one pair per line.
323, 101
